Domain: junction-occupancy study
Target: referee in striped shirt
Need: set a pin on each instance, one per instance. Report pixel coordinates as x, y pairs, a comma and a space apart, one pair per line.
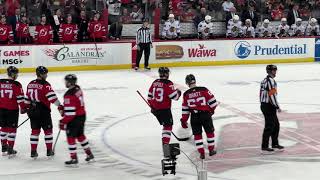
144, 43
269, 108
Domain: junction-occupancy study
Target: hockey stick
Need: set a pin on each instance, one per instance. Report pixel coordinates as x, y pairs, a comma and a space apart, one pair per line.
55, 143
179, 139
23, 122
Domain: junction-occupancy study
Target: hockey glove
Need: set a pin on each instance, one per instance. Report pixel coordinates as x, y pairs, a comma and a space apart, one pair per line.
62, 125
179, 92
61, 110
24, 110
184, 124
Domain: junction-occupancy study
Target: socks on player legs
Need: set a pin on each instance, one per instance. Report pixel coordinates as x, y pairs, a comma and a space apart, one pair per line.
166, 134
34, 138
48, 138
211, 141
72, 147
4, 136
11, 136
85, 144
199, 143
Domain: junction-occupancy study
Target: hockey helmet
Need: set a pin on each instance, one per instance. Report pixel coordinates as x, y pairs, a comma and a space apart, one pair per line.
190, 79
71, 78
171, 15
266, 21
12, 71
313, 20
236, 18
271, 67
164, 72
207, 18
41, 70
284, 20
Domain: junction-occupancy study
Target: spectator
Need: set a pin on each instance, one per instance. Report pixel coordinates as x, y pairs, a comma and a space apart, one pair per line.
23, 32
248, 30
265, 30
6, 36
114, 10
171, 29
297, 29
34, 12
188, 15
277, 13
136, 14
96, 29
252, 15
205, 28
125, 18
229, 9
43, 32
305, 12
68, 31
283, 29
55, 22
82, 22
115, 30
234, 28
313, 28
11, 6
293, 14
13, 20
200, 17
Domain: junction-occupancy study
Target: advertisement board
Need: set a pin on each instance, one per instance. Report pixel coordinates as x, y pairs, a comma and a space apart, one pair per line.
16, 56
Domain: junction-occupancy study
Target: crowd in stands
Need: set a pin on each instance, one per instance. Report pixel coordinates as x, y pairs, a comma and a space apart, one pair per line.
66, 21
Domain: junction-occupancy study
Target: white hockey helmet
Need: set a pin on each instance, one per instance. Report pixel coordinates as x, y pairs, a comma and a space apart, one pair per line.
313, 20
207, 18
266, 21
171, 15
236, 18
298, 20
283, 19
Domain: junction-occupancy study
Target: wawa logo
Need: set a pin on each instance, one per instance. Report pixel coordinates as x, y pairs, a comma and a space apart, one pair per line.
202, 51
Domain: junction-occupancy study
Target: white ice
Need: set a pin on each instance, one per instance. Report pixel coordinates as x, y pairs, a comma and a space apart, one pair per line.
126, 138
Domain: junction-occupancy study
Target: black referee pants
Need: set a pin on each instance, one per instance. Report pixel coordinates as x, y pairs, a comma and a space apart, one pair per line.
272, 126
144, 47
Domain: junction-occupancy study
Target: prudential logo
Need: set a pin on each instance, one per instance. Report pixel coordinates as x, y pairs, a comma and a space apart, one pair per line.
242, 49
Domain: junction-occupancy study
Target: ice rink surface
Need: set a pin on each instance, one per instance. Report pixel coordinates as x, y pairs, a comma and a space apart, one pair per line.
126, 138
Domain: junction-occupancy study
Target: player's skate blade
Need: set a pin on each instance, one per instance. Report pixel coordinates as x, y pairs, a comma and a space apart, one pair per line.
71, 163
202, 156
11, 153
50, 154
267, 151
278, 148
4, 150
34, 155
90, 158
212, 153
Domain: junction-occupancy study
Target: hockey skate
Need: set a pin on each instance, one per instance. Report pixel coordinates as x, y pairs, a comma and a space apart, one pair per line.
267, 151
4, 150
71, 163
89, 158
34, 155
202, 156
11, 153
50, 154
213, 152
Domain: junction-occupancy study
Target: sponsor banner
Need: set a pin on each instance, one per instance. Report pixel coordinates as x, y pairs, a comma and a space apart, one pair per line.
232, 50
85, 54
317, 49
273, 49
16, 56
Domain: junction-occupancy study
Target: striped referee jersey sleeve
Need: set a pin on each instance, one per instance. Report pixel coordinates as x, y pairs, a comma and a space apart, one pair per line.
272, 92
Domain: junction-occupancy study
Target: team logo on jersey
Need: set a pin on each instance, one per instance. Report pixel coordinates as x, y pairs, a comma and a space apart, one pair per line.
69, 30
3, 31
242, 49
43, 32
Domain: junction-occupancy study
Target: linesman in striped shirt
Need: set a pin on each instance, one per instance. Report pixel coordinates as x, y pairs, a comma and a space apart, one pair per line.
269, 108
144, 43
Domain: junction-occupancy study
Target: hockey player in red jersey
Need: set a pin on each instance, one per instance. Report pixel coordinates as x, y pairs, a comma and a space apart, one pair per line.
97, 29
68, 31
11, 97
201, 103
74, 120
22, 30
40, 96
43, 32
6, 33
160, 95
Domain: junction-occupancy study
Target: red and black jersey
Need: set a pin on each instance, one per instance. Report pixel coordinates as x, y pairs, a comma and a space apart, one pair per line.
43, 34
73, 104
11, 95
96, 29
22, 30
68, 32
161, 93
40, 91
197, 99
6, 33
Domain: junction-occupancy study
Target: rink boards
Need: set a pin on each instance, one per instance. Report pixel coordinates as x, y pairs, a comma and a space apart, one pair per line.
104, 56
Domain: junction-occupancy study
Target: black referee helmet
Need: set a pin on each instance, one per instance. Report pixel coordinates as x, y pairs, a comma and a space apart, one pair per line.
271, 67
